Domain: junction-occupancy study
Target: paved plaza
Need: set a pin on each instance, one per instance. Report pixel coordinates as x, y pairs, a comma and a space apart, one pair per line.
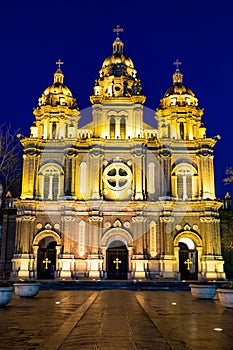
115, 319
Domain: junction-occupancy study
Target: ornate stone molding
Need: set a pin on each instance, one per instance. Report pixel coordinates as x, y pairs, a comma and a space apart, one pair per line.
208, 219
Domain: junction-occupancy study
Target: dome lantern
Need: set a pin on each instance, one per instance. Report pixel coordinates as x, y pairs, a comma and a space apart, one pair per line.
118, 44
59, 76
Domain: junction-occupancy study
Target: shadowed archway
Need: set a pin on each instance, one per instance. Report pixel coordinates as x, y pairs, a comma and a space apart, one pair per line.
117, 261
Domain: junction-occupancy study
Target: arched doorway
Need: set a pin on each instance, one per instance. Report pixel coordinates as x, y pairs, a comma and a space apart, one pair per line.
188, 260
117, 261
46, 259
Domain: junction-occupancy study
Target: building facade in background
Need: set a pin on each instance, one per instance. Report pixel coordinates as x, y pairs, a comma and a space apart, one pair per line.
118, 198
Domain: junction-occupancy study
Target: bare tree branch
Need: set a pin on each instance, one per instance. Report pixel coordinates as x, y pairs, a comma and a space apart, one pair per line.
10, 160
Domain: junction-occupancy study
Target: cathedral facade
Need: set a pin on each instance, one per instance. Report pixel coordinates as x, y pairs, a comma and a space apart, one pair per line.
118, 198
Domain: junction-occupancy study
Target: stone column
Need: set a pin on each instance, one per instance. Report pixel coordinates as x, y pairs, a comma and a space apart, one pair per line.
95, 259
212, 263
138, 170
168, 263
139, 261
67, 223
165, 163
95, 178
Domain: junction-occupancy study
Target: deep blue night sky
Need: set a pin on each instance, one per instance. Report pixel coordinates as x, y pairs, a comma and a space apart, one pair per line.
35, 34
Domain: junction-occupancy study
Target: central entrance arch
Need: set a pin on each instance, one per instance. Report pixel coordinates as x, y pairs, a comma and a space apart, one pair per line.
46, 259
188, 262
117, 261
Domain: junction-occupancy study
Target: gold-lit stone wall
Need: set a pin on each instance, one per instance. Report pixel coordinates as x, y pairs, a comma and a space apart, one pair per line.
118, 185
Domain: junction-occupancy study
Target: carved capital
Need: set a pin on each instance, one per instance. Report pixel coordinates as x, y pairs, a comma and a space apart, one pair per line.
68, 218
138, 218
166, 219
95, 219
28, 218
208, 219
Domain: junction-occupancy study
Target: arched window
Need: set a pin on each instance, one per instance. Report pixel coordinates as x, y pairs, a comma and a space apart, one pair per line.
122, 128
184, 184
112, 128
51, 178
51, 184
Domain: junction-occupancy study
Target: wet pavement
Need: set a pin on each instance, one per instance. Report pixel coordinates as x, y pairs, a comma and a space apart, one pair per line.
115, 319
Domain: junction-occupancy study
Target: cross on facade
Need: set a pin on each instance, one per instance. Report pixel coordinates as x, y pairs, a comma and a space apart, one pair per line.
188, 263
118, 30
117, 262
177, 63
59, 63
46, 262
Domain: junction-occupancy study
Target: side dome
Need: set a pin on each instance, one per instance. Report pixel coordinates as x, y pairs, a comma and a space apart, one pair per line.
57, 94
178, 89
178, 94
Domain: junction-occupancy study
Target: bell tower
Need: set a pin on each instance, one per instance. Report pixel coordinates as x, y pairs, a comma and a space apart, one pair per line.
181, 130
55, 125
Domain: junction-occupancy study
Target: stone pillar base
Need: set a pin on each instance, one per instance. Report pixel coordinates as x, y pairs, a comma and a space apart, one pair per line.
22, 265
94, 265
139, 274
212, 267
139, 266
66, 265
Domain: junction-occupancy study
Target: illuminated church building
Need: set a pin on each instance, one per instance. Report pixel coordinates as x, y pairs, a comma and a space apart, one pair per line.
118, 198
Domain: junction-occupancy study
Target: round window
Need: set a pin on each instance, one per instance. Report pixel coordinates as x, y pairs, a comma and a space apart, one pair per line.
117, 176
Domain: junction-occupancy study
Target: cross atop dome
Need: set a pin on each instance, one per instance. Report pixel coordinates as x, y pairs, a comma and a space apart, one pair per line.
177, 63
59, 63
118, 30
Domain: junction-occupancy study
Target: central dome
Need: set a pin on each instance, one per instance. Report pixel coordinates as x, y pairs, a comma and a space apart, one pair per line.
118, 64
117, 77
118, 57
